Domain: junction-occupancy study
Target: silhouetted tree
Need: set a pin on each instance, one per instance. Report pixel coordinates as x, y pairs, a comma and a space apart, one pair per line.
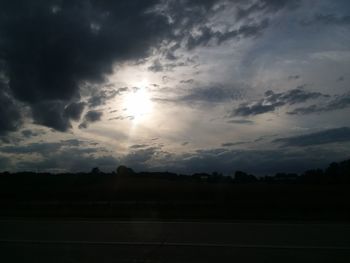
339, 172
200, 177
242, 177
314, 176
95, 170
124, 171
215, 177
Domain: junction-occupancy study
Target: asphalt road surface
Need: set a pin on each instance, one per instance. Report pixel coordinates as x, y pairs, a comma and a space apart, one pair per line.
152, 241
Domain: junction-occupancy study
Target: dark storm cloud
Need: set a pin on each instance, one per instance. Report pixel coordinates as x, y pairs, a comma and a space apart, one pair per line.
56, 114
272, 101
323, 137
337, 103
10, 116
49, 48
74, 110
93, 116
90, 116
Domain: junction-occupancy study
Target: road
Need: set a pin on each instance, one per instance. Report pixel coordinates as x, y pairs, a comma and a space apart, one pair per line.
153, 241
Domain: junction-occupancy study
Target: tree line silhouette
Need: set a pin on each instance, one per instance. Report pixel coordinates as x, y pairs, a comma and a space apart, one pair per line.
316, 194
335, 173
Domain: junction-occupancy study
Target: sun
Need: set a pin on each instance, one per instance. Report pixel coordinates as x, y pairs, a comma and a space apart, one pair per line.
138, 103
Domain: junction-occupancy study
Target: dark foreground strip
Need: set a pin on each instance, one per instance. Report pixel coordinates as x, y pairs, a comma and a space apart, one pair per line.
174, 244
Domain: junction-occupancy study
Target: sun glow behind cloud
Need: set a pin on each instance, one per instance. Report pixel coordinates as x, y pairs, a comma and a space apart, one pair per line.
138, 103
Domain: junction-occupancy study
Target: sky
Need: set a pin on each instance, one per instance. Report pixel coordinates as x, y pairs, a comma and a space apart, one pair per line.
174, 85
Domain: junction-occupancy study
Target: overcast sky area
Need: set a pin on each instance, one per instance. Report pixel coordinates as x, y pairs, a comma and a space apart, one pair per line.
184, 86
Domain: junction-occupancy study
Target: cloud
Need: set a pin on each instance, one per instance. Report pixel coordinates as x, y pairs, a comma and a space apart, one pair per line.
260, 162
156, 66
56, 114
140, 157
198, 33
253, 109
70, 160
194, 22
52, 50
328, 19
72, 143
31, 133
208, 35
49, 50
272, 101
293, 77
39, 148
10, 116
340, 79
120, 117
323, 137
102, 96
229, 144
187, 81
241, 121
43, 148
337, 103
264, 6
138, 146
213, 93
74, 110
4, 163
66, 155
90, 116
